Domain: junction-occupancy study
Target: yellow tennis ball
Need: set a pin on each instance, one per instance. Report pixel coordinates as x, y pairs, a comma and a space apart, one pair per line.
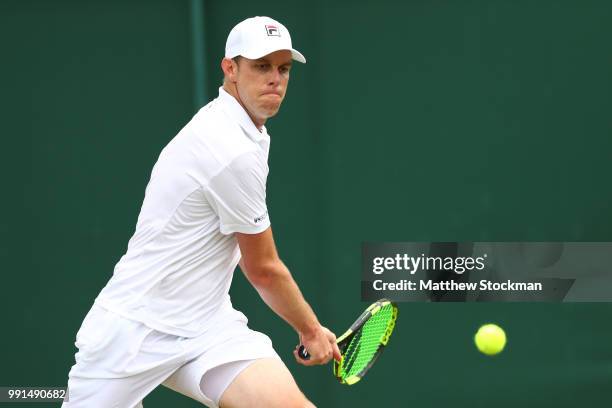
490, 339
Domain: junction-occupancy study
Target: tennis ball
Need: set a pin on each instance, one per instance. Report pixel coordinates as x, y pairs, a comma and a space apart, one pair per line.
490, 339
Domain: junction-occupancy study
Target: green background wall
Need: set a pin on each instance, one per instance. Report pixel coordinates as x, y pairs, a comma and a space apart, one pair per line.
412, 121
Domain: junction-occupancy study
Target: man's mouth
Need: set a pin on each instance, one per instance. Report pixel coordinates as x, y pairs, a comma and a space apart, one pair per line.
273, 93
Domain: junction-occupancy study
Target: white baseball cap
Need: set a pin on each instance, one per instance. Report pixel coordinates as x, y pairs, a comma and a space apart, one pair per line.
258, 36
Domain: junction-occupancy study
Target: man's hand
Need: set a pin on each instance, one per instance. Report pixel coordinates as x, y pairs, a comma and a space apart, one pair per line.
321, 346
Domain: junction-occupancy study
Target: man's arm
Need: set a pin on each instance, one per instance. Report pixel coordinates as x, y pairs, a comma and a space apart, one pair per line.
273, 281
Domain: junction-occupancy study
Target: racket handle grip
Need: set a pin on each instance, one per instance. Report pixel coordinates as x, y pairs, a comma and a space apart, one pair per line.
303, 353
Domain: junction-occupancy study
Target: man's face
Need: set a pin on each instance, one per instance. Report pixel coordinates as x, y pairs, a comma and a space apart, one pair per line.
261, 84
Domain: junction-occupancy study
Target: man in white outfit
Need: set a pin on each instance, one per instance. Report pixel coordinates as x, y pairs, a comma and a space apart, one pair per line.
165, 317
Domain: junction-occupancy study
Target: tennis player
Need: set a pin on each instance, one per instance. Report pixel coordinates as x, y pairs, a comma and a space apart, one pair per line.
165, 316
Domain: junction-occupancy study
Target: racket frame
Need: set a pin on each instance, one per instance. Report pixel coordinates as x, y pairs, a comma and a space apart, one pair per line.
344, 340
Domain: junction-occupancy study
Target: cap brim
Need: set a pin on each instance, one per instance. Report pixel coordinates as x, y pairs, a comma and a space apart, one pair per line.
296, 55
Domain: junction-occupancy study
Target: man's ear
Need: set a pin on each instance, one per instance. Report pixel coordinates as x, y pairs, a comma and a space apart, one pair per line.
229, 68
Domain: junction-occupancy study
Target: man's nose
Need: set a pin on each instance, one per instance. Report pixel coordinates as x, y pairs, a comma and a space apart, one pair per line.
275, 77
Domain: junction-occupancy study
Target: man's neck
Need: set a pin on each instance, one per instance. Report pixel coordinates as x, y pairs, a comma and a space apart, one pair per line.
233, 91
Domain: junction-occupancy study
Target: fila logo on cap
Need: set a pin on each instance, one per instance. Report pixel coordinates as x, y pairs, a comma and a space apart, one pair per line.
272, 31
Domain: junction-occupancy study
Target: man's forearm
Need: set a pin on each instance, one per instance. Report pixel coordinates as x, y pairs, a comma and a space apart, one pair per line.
278, 289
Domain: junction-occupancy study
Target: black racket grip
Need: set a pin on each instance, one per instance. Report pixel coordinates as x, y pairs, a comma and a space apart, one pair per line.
303, 353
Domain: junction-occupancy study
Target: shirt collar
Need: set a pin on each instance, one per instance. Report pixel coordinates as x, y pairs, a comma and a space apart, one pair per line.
231, 106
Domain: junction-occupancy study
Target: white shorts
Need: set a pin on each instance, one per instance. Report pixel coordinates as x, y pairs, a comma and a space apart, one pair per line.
120, 361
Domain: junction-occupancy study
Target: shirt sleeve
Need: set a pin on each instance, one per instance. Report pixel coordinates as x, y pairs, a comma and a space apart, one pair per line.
238, 195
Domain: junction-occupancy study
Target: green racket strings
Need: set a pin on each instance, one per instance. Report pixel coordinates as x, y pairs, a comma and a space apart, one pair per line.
366, 342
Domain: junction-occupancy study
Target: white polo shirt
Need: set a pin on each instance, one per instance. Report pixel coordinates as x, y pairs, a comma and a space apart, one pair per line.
209, 182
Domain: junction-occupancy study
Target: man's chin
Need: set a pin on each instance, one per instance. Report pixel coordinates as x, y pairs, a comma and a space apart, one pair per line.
270, 112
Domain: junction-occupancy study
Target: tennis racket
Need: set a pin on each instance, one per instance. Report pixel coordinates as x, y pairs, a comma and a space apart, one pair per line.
361, 345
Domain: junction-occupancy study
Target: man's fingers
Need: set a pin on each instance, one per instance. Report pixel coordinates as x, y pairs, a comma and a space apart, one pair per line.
336, 351
332, 340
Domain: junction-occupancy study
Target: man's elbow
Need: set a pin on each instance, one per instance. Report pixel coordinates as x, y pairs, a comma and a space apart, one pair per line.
264, 275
